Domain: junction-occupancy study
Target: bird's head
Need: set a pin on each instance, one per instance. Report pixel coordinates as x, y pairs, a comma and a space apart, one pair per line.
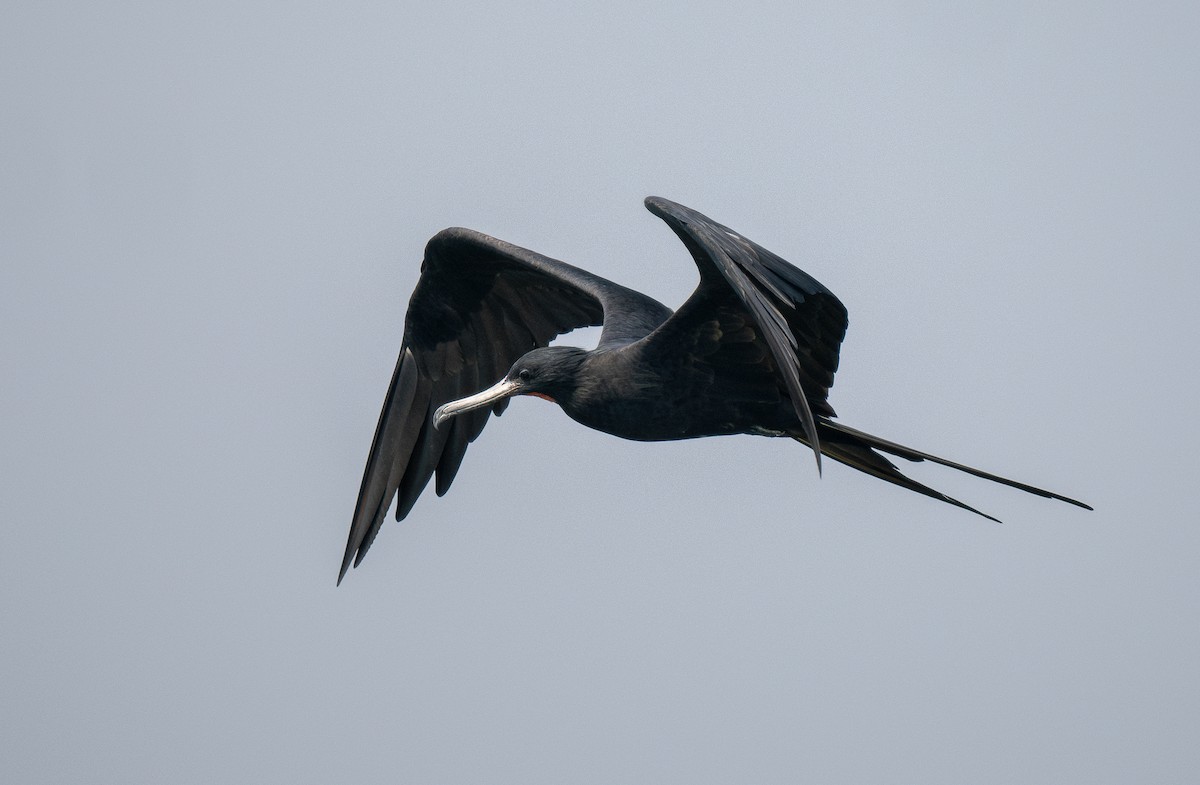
549, 372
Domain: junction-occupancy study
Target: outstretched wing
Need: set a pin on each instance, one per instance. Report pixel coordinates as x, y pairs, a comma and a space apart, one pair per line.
480, 304
754, 317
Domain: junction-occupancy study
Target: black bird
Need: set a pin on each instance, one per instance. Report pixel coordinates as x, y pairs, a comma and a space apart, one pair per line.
753, 350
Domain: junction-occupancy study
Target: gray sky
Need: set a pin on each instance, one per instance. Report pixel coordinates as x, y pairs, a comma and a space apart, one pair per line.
211, 220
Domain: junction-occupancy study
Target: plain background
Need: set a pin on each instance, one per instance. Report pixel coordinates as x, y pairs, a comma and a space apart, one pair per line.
212, 217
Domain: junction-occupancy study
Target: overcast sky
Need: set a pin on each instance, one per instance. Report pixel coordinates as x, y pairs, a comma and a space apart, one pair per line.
210, 223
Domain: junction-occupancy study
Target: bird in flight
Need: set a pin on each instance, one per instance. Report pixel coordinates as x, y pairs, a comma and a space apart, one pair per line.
753, 351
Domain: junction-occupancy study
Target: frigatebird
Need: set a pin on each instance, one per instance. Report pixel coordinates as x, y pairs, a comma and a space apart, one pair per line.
753, 351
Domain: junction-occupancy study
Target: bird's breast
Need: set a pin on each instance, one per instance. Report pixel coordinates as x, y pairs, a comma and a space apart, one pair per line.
649, 416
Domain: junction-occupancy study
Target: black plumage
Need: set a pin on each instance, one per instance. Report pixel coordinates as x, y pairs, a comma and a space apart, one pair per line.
753, 350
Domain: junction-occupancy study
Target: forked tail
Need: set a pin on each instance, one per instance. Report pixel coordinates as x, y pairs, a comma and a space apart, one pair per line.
858, 450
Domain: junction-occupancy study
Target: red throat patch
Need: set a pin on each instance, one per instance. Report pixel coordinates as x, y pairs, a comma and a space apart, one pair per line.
543, 396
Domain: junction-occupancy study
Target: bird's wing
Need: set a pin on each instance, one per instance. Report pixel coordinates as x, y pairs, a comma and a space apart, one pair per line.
480, 304
756, 313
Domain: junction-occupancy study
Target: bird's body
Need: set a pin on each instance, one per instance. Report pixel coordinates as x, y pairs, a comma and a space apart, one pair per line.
752, 351
616, 392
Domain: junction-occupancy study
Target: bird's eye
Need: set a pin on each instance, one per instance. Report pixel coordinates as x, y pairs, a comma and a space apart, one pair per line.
524, 374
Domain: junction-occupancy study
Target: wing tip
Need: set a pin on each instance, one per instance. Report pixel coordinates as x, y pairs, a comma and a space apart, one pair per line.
664, 208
